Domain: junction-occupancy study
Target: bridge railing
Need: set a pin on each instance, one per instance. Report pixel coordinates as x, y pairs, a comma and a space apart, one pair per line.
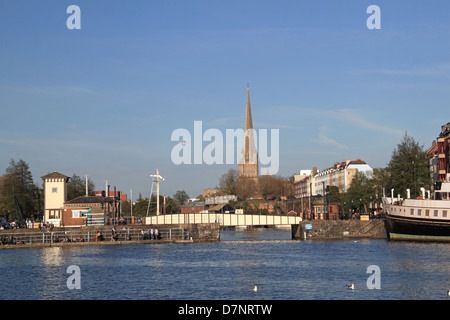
223, 219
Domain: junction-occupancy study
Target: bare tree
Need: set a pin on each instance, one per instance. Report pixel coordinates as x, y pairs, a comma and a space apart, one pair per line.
228, 182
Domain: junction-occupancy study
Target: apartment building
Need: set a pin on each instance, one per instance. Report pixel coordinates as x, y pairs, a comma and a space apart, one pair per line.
340, 175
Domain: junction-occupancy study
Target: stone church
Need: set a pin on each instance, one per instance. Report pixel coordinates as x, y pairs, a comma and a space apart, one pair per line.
248, 164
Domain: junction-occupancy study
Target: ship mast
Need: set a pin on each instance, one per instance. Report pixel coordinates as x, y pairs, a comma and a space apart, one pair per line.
158, 178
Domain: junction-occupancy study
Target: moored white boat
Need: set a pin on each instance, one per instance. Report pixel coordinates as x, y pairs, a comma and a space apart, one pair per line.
419, 219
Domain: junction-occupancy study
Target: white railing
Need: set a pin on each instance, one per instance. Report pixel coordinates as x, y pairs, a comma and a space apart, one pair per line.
223, 219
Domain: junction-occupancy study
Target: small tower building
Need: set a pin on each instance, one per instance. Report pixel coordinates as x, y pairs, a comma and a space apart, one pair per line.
55, 195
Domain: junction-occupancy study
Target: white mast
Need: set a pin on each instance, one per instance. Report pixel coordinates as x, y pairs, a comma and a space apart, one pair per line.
131, 196
87, 191
158, 177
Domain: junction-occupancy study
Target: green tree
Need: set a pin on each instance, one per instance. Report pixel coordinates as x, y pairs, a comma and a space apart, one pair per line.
181, 197
76, 187
380, 181
333, 195
140, 208
360, 192
18, 182
408, 168
172, 206
125, 207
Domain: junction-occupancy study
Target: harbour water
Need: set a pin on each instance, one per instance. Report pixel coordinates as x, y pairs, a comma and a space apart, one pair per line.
281, 268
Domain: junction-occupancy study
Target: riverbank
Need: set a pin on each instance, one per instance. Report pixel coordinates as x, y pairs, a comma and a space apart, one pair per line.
109, 235
339, 229
206, 232
103, 243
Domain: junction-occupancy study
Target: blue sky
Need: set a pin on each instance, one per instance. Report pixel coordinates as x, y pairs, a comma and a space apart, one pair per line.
105, 99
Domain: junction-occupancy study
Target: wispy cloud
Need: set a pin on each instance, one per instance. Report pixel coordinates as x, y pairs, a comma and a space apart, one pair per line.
352, 116
268, 125
325, 140
425, 71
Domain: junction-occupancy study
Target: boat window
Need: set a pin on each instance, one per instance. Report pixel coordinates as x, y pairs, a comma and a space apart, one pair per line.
412, 212
435, 213
444, 214
419, 212
427, 213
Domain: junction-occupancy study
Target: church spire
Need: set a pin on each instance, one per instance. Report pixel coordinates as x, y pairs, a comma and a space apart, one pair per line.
248, 112
248, 166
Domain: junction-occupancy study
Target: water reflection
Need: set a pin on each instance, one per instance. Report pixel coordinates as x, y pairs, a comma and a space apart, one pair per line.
53, 256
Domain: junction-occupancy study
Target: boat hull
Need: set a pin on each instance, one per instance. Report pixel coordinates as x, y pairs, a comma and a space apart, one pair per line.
404, 228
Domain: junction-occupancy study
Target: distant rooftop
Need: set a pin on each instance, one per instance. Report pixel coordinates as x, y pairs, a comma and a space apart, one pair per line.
194, 204
90, 199
445, 130
54, 175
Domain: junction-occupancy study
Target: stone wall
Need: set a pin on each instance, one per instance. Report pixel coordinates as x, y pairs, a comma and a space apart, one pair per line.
340, 229
204, 232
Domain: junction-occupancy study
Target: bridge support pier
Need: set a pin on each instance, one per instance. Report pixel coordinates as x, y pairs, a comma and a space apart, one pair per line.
298, 231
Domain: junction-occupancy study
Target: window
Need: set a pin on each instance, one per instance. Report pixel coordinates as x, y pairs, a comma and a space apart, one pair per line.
412, 212
427, 212
54, 190
419, 212
444, 214
435, 213
53, 214
76, 213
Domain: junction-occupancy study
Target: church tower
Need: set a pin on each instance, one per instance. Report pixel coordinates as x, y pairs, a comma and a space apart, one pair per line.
248, 165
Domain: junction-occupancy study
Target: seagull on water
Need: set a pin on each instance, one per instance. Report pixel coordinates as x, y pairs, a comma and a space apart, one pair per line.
448, 293
351, 287
255, 288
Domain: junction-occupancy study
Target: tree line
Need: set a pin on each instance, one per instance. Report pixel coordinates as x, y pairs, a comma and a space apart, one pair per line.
268, 187
144, 206
408, 168
22, 198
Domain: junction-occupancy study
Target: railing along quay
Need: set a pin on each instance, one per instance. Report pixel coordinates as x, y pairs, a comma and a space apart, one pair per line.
90, 236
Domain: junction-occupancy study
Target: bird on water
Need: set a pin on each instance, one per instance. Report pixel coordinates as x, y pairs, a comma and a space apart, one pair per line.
255, 288
351, 286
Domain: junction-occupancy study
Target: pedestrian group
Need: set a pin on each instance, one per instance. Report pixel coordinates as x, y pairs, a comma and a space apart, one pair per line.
150, 234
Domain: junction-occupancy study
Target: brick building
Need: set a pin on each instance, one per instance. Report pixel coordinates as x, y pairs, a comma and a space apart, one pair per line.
193, 207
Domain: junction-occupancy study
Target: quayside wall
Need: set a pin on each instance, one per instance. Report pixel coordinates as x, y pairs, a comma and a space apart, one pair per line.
124, 234
339, 229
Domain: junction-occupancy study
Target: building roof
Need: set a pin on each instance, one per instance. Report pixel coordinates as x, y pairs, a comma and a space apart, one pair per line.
90, 199
194, 204
220, 207
357, 161
54, 175
432, 150
445, 130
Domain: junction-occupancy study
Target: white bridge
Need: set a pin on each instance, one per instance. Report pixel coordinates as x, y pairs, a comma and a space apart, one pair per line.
223, 219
